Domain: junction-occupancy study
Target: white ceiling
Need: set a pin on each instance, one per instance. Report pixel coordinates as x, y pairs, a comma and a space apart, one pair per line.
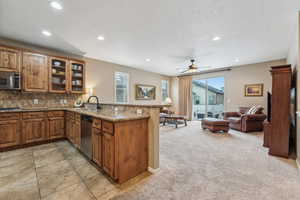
168, 32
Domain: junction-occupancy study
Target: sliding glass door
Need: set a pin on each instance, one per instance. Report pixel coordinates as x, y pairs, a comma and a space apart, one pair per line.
208, 98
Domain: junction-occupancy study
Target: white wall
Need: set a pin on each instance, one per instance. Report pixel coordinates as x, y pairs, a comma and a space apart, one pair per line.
235, 81
100, 77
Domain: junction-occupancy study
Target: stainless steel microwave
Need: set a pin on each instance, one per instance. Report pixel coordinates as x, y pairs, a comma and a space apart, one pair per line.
10, 81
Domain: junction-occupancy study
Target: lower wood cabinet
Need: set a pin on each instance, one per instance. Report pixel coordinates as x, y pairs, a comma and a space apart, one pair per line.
77, 133
33, 130
108, 153
97, 146
73, 128
120, 148
56, 127
131, 151
10, 134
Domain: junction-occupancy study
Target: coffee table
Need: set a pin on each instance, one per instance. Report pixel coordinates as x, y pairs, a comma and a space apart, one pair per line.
173, 118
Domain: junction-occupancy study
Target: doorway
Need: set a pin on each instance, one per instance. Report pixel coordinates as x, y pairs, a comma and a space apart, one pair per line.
208, 98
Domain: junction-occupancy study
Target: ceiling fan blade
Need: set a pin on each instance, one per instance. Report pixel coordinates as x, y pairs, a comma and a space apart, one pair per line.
204, 67
185, 71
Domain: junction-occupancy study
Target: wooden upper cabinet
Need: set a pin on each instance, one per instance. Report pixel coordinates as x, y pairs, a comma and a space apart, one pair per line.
77, 77
10, 59
58, 75
35, 72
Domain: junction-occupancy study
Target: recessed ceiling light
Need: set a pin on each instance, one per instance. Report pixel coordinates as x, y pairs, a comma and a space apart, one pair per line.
148, 60
56, 5
216, 38
237, 60
100, 37
46, 33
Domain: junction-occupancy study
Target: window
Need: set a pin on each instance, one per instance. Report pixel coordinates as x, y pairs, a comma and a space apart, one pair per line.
121, 87
165, 89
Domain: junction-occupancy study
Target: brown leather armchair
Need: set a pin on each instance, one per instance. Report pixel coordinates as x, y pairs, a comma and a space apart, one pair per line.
244, 122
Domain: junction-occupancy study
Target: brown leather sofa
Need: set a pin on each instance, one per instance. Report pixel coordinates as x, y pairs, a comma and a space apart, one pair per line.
244, 122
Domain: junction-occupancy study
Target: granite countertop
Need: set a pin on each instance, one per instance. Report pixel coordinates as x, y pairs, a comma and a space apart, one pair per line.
102, 114
137, 105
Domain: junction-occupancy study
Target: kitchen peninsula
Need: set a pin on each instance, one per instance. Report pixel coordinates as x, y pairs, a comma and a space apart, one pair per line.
119, 140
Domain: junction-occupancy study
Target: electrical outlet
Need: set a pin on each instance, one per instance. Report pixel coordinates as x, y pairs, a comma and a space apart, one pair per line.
139, 111
65, 101
35, 101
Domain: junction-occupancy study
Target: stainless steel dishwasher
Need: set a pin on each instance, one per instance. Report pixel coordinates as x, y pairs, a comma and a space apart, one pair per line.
86, 135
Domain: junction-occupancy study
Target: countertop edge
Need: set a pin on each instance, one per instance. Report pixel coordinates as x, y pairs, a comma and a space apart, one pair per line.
138, 105
130, 118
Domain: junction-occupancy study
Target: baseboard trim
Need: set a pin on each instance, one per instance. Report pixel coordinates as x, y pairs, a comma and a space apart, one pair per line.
152, 170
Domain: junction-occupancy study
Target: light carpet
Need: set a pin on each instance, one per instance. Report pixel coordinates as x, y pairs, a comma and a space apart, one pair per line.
200, 165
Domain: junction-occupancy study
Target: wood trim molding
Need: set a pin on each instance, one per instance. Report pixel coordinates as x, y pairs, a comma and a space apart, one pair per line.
206, 72
152, 170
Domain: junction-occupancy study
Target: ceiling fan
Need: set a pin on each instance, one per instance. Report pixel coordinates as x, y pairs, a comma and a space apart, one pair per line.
192, 68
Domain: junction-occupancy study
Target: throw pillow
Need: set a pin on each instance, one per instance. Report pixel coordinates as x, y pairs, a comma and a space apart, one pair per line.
250, 111
258, 109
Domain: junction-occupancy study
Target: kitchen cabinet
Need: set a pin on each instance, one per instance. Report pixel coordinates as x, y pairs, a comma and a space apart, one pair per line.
56, 124
33, 130
121, 148
131, 148
77, 133
68, 118
34, 127
35, 72
97, 146
44, 73
10, 59
73, 128
58, 75
108, 149
77, 77
71, 135
10, 134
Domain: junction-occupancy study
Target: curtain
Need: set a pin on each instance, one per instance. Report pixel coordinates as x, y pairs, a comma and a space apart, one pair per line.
185, 96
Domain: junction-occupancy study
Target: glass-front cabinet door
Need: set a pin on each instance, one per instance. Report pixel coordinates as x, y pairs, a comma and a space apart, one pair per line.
58, 75
77, 76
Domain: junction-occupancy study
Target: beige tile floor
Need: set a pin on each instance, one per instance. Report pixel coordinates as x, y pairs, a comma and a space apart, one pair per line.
55, 171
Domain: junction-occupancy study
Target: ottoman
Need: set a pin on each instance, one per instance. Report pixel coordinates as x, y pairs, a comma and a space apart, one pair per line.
215, 125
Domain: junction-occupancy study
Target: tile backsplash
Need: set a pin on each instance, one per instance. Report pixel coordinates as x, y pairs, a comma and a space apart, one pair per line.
32, 100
